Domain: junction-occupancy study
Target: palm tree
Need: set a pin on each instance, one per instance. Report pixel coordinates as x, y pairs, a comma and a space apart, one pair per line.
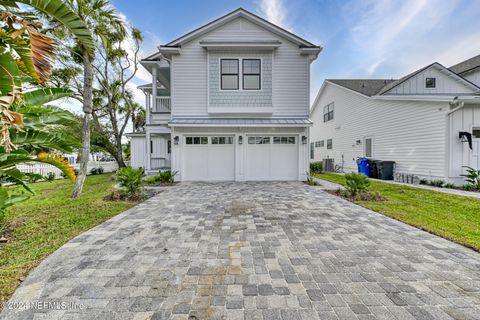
99, 16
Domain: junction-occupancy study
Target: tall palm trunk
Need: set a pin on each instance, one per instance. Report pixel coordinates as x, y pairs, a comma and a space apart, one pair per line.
87, 110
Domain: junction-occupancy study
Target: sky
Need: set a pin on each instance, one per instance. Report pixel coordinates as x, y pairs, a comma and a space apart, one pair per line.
360, 39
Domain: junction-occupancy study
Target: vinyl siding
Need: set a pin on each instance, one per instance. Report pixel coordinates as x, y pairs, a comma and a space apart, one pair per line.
138, 151
290, 87
460, 154
416, 84
410, 133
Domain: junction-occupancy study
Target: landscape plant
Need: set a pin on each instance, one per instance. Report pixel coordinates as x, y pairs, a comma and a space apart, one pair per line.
50, 176
472, 177
131, 182
356, 184
316, 167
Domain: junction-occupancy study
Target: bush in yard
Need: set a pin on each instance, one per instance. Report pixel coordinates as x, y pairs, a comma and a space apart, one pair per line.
50, 176
473, 178
437, 183
164, 177
356, 183
131, 181
96, 171
316, 167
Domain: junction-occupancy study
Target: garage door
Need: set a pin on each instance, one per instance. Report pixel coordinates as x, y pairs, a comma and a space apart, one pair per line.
208, 158
271, 158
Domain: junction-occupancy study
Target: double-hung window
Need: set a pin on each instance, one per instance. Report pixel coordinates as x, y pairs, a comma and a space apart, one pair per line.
229, 74
251, 74
328, 112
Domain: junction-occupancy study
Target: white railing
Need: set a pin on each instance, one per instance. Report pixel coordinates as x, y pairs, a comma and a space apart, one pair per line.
163, 105
158, 163
44, 169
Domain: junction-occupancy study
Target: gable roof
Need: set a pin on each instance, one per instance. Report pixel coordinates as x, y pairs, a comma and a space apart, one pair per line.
466, 65
393, 84
368, 87
240, 12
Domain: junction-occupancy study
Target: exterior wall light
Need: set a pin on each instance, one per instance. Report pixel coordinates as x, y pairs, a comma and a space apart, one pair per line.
304, 139
175, 140
240, 139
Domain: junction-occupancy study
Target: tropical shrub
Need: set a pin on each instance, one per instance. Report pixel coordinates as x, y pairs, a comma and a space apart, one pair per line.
96, 171
50, 176
356, 183
472, 177
164, 177
131, 182
437, 183
316, 167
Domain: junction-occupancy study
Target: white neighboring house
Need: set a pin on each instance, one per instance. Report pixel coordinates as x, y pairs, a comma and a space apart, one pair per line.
230, 102
415, 121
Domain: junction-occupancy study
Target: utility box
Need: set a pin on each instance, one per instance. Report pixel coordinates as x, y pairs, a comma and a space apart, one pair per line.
385, 169
328, 165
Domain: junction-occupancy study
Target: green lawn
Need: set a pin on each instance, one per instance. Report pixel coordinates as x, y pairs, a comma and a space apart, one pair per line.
49, 219
453, 217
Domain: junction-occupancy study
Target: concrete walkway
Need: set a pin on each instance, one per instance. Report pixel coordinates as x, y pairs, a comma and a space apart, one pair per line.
252, 251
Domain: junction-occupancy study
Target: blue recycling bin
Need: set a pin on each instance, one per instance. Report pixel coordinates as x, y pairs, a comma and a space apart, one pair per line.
363, 166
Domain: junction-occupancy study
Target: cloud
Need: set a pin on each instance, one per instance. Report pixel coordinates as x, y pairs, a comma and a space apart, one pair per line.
393, 38
275, 12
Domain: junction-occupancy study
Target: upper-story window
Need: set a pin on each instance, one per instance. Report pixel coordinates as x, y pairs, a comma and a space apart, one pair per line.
328, 112
251, 74
430, 83
229, 74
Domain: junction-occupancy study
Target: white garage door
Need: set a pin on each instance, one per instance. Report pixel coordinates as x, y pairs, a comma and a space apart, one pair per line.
209, 158
271, 158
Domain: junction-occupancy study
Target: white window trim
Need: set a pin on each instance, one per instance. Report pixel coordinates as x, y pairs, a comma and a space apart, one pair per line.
365, 146
240, 74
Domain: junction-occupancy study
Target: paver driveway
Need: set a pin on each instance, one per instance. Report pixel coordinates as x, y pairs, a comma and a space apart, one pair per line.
254, 251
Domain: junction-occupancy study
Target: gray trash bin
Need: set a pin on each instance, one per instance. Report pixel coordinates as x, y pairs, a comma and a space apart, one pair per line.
385, 169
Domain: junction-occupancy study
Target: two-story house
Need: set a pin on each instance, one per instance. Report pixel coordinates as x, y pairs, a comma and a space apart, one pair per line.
428, 121
228, 101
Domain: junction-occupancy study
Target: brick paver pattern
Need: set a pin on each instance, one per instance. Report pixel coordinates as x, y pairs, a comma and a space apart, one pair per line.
267, 250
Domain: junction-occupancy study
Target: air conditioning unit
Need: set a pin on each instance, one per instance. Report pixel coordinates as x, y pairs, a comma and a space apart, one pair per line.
328, 165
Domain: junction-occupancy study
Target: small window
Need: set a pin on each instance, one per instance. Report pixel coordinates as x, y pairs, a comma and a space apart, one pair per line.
258, 140
151, 146
251, 74
368, 147
283, 140
222, 140
196, 140
329, 144
169, 147
319, 144
312, 150
229, 74
328, 112
430, 83
476, 132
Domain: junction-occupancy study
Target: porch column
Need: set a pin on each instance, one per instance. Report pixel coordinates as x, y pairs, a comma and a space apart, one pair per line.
154, 88
149, 151
147, 108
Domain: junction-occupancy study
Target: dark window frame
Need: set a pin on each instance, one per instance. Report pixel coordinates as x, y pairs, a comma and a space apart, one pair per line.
312, 150
328, 112
259, 74
432, 85
229, 74
329, 144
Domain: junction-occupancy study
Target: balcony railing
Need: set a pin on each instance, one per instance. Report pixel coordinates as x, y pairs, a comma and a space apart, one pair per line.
159, 163
163, 105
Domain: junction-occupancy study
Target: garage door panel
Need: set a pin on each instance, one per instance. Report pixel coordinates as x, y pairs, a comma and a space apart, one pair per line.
204, 161
271, 158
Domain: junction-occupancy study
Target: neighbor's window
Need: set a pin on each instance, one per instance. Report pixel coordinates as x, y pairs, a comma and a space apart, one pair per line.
368, 147
430, 83
319, 144
328, 112
329, 144
312, 150
229, 74
476, 132
251, 74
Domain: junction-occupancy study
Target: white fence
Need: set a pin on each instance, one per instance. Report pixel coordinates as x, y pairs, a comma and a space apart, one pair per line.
44, 169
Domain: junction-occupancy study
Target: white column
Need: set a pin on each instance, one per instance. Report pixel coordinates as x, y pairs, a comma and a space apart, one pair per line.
154, 88
149, 151
147, 107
